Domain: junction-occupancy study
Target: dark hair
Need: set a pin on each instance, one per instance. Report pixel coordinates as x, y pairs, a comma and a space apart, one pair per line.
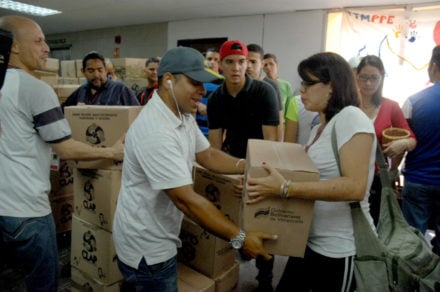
152, 60
436, 56
256, 49
377, 63
177, 77
213, 49
270, 56
92, 56
331, 68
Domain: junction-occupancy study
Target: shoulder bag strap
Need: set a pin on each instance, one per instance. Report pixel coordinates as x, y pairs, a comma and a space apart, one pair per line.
366, 241
390, 212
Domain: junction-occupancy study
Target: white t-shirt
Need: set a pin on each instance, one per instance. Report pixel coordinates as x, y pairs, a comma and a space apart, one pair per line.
305, 120
331, 232
159, 154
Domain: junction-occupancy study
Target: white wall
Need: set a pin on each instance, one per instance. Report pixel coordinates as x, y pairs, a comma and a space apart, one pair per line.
291, 36
139, 41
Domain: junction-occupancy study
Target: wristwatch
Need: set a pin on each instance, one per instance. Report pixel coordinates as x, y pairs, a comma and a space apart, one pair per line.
238, 241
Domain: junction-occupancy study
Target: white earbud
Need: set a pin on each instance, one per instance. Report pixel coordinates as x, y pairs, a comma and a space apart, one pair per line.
170, 83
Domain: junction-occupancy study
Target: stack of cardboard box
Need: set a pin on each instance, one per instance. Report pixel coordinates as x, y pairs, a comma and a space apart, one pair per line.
202, 251
61, 175
63, 85
96, 188
289, 219
131, 71
61, 195
71, 78
50, 73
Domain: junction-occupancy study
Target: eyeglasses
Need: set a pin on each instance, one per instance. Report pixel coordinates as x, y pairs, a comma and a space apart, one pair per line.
309, 83
372, 78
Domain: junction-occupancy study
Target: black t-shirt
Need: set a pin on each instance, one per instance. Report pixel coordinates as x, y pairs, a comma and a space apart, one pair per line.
244, 115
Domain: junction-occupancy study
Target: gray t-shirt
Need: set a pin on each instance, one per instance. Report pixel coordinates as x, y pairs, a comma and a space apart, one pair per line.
30, 119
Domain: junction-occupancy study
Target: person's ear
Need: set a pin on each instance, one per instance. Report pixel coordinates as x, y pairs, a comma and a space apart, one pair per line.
15, 47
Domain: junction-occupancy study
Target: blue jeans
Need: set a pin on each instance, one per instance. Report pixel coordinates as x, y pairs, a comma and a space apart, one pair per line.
31, 243
160, 277
420, 206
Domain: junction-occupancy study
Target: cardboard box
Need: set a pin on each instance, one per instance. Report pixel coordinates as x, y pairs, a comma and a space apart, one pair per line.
68, 81
52, 80
228, 280
96, 195
63, 91
289, 219
219, 190
136, 83
81, 282
129, 67
78, 66
62, 209
61, 180
68, 68
100, 126
203, 251
40, 73
191, 281
52, 65
93, 252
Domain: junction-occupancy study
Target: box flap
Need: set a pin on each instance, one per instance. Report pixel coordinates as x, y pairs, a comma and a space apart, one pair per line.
281, 155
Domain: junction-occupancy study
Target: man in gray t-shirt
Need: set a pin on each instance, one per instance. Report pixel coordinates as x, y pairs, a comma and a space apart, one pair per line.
32, 125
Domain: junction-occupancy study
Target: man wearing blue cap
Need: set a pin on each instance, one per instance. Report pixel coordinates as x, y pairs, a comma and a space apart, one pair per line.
156, 190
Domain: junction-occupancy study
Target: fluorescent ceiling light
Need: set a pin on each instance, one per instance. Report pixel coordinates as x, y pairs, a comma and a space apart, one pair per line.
27, 8
421, 8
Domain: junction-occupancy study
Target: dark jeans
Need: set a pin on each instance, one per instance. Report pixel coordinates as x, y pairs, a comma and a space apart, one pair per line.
420, 205
32, 244
317, 273
160, 277
265, 273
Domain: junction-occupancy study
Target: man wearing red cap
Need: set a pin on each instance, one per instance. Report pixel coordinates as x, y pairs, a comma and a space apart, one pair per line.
243, 107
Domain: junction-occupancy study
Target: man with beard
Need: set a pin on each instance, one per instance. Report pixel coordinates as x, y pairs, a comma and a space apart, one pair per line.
98, 89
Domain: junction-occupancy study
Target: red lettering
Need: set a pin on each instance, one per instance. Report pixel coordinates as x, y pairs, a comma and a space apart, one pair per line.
390, 19
383, 19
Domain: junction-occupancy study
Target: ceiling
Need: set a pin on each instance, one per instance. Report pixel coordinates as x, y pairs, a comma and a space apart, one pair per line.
81, 15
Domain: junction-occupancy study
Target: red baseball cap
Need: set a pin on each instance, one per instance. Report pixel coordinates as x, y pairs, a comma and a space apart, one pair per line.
233, 47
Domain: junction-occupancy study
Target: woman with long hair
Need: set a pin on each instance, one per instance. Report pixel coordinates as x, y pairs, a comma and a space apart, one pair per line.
384, 113
328, 88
